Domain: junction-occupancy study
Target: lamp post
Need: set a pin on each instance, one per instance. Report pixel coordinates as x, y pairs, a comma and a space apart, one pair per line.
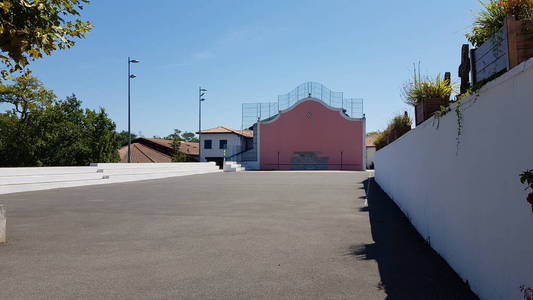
201, 94
130, 77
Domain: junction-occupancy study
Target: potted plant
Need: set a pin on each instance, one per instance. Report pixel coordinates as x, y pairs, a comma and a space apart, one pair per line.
527, 178
427, 95
517, 18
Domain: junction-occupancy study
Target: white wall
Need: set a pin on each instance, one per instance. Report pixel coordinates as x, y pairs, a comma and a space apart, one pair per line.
470, 202
234, 142
14, 180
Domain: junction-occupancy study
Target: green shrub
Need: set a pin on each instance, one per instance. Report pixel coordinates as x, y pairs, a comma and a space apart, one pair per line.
397, 127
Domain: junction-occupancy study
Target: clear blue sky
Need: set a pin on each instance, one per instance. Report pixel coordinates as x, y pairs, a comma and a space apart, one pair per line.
250, 51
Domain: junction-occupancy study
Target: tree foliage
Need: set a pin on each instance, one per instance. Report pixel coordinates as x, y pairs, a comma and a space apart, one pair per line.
185, 136
30, 29
51, 132
189, 137
492, 18
123, 137
176, 138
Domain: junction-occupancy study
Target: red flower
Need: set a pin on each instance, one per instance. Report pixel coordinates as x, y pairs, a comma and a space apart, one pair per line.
530, 198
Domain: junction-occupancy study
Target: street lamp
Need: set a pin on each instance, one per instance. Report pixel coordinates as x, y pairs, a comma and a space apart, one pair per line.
130, 77
201, 94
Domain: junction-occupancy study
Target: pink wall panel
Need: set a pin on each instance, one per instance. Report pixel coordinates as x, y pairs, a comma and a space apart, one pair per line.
311, 134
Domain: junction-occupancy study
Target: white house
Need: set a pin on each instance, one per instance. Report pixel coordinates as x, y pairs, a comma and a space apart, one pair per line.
217, 143
370, 150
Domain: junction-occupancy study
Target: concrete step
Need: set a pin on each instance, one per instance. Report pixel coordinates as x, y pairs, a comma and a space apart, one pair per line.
17, 188
9, 172
107, 166
13, 180
231, 166
139, 177
27, 179
133, 171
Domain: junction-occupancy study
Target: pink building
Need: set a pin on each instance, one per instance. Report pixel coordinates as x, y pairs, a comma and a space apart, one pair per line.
312, 135
311, 128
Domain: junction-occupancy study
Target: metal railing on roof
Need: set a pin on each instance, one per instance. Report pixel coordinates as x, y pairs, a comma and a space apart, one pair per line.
259, 111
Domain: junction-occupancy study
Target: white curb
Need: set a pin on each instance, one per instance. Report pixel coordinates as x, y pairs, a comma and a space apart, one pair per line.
2, 224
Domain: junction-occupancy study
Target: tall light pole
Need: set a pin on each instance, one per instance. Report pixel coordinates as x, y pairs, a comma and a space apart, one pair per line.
130, 77
201, 94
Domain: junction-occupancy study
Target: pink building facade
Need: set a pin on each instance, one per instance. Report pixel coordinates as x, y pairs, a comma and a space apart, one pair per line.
311, 135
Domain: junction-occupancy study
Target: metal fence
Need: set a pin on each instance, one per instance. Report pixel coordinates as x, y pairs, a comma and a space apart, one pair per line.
254, 112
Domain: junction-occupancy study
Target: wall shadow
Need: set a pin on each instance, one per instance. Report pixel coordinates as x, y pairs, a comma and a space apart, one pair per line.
408, 266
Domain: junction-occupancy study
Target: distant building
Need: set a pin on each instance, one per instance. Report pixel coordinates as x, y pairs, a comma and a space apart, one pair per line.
219, 141
370, 150
149, 150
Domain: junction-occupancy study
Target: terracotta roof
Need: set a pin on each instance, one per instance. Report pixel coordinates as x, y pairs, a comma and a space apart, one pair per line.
144, 151
185, 147
370, 140
221, 129
143, 154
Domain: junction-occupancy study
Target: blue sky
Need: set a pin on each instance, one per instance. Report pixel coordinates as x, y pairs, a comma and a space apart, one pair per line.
250, 51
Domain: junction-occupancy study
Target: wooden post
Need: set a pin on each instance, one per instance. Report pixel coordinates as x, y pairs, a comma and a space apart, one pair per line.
464, 69
513, 28
473, 65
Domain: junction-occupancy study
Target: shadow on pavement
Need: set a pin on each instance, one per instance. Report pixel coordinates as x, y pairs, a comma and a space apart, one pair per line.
408, 267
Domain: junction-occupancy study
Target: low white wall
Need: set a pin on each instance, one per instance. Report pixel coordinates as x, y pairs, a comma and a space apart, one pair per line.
14, 180
469, 201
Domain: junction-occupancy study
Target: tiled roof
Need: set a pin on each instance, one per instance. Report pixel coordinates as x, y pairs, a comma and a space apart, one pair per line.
143, 154
370, 140
221, 129
143, 150
185, 147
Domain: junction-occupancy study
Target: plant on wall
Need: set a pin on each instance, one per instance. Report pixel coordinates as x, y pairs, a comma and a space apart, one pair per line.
527, 178
492, 18
527, 292
421, 88
397, 127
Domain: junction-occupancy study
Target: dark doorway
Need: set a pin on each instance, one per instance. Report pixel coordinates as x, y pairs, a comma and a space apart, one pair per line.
218, 160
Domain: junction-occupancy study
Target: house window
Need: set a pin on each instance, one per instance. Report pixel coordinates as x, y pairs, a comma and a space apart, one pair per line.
223, 144
208, 144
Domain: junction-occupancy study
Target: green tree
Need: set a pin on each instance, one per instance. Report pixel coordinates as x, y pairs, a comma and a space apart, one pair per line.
30, 29
189, 137
54, 133
177, 155
175, 136
26, 94
101, 137
123, 137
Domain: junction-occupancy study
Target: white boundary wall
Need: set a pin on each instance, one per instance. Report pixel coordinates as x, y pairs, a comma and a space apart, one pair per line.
470, 203
14, 180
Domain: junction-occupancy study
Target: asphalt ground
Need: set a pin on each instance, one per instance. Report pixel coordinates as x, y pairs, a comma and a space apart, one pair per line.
247, 235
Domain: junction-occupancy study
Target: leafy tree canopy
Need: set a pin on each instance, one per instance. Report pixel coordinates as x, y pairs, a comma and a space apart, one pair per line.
30, 29
189, 137
42, 131
177, 156
185, 136
123, 137
26, 94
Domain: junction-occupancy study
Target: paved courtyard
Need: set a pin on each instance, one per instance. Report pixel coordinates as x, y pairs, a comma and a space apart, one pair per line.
250, 235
